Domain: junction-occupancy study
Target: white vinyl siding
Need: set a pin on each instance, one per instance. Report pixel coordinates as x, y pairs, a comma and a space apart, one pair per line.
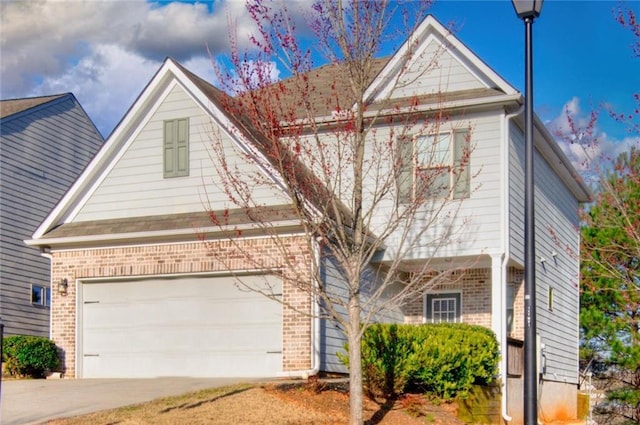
476, 219
135, 185
556, 232
436, 71
516, 194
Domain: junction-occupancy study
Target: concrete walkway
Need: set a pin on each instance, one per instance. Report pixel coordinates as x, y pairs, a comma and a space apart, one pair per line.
35, 401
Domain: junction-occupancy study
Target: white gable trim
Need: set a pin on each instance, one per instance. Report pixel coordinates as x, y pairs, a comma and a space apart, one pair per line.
169, 75
74, 198
120, 153
428, 31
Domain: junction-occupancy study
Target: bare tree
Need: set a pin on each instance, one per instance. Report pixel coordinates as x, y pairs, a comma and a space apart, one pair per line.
342, 161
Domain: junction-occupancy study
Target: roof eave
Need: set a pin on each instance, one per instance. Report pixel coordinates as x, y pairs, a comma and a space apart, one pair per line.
163, 236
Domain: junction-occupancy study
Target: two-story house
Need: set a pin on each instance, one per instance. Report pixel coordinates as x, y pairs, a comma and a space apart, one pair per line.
141, 295
45, 143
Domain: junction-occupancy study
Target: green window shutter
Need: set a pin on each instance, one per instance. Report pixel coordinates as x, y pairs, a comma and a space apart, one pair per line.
169, 149
461, 161
182, 147
176, 148
404, 172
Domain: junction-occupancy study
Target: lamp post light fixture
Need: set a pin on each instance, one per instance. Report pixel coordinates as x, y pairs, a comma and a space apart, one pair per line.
528, 10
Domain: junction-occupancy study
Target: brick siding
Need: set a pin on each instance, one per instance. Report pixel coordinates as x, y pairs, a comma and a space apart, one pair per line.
188, 258
475, 287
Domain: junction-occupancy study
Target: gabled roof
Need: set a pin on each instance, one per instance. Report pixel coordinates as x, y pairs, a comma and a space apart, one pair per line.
431, 30
327, 81
211, 99
11, 107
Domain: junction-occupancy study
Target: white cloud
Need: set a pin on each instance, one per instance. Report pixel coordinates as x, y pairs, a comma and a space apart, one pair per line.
106, 51
589, 149
105, 82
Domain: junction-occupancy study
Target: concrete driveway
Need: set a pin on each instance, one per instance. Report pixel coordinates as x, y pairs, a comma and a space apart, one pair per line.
35, 401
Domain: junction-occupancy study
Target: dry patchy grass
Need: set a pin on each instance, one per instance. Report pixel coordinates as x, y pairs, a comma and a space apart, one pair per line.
273, 404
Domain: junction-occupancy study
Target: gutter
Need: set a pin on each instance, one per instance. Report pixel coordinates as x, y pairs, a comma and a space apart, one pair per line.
427, 108
505, 260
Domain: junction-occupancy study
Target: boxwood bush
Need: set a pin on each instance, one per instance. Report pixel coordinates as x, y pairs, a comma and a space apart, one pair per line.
30, 356
441, 359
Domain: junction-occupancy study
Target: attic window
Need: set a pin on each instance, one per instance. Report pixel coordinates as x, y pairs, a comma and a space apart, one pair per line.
176, 148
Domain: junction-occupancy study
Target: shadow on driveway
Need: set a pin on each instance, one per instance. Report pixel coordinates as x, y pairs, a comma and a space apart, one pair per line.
35, 401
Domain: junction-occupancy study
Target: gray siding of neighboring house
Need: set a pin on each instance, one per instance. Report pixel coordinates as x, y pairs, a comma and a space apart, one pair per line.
42, 152
558, 243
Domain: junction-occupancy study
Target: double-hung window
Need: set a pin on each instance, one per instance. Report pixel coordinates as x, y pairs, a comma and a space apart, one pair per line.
434, 166
442, 307
176, 148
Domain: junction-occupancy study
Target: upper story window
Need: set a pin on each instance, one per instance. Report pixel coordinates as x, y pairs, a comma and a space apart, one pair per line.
176, 148
434, 166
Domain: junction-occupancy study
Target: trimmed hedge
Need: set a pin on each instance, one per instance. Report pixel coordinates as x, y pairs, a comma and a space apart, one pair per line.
445, 359
29, 356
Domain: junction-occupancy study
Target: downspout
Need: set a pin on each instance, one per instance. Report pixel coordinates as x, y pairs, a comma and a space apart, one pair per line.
46, 253
315, 322
505, 261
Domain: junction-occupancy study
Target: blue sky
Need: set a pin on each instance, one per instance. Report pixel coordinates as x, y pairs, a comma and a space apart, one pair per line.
105, 52
580, 51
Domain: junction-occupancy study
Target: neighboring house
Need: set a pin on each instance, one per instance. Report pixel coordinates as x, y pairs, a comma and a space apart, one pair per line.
45, 143
145, 297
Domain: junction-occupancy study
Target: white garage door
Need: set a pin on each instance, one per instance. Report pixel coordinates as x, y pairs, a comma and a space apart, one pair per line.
191, 326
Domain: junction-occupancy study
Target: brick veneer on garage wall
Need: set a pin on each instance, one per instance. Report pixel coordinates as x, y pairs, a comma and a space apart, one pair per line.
170, 259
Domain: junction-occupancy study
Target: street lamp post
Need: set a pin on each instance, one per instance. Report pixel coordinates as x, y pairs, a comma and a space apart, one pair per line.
528, 10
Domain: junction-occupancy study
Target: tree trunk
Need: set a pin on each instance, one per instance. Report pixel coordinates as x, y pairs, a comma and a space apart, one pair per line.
355, 363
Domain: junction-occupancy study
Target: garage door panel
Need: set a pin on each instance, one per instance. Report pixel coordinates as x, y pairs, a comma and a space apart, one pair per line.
180, 327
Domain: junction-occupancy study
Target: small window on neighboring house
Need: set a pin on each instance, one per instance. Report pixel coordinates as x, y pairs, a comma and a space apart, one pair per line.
434, 166
550, 297
40, 295
511, 301
176, 148
443, 308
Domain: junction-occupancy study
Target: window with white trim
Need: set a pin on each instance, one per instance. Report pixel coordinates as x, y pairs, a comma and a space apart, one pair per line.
40, 295
434, 166
443, 307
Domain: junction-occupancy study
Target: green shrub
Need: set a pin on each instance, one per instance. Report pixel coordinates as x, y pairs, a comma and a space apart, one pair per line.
448, 359
441, 359
29, 355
